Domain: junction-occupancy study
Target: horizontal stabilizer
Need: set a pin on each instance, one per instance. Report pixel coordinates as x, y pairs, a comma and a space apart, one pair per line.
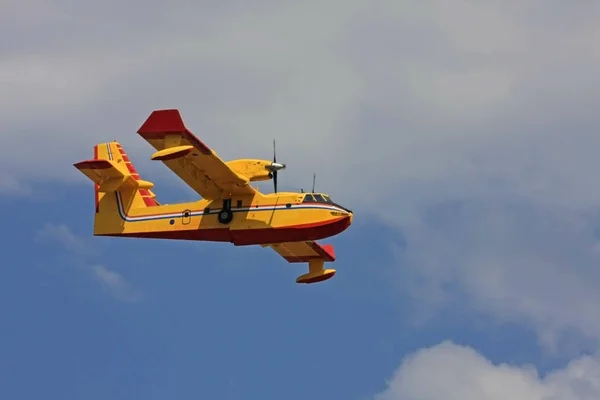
108, 176
99, 170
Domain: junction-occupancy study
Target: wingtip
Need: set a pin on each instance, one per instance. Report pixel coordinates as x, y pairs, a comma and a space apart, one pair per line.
326, 251
329, 250
167, 120
92, 164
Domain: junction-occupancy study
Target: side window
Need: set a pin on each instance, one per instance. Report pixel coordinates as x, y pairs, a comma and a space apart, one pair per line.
320, 198
308, 199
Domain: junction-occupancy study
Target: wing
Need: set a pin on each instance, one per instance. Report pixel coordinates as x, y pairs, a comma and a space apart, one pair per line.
190, 159
308, 251
295, 252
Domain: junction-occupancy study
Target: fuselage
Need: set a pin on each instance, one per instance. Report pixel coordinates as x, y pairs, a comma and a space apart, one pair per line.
261, 219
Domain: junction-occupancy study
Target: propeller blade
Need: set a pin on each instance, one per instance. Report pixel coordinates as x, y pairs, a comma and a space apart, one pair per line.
275, 166
274, 172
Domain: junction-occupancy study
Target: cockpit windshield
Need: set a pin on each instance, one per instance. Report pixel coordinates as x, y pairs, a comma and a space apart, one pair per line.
321, 198
316, 198
308, 198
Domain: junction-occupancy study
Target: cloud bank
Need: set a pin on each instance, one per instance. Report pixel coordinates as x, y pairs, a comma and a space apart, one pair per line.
452, 372
471, 127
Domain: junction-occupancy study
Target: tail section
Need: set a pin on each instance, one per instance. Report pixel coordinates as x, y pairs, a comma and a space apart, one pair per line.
117, 185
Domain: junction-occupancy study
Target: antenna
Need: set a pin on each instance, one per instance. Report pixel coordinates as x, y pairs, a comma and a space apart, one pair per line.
314, 178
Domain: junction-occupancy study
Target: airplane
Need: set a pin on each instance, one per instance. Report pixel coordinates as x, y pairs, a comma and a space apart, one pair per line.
230, 209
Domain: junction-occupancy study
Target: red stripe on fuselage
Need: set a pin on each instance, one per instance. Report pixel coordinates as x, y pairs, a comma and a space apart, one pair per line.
245, 237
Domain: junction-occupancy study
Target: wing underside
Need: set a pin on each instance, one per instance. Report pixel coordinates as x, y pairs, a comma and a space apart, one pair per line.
311, 252
295, 252
189, 158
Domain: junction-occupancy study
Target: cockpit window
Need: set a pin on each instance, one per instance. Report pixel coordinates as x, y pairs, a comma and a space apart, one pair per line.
317, 198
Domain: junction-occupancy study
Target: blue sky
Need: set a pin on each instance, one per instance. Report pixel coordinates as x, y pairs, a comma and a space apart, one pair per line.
464, 136
208, 319
201, 319
205, 319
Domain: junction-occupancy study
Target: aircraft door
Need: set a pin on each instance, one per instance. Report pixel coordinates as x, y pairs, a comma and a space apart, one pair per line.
186, 217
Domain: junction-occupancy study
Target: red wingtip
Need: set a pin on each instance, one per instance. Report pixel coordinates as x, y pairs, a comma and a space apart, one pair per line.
163, 121
328, 248
325, 251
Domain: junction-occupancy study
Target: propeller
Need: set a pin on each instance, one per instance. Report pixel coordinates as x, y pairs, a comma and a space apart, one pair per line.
275, 167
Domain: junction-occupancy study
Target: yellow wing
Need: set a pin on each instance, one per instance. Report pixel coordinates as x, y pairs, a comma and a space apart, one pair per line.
190, 159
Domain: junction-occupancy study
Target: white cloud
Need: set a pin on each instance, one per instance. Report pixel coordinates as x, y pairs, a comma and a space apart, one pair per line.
453, 372
524, 264
9, 185
115, 283
450, 98
398, 106
65, 237
75, 245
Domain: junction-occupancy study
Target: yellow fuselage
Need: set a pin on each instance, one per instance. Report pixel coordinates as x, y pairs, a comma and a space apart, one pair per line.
262, 219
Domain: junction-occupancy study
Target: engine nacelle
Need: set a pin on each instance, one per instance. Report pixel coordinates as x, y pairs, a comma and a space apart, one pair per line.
254, 170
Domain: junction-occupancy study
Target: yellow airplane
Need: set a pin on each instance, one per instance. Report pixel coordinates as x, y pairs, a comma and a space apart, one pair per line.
231, 210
